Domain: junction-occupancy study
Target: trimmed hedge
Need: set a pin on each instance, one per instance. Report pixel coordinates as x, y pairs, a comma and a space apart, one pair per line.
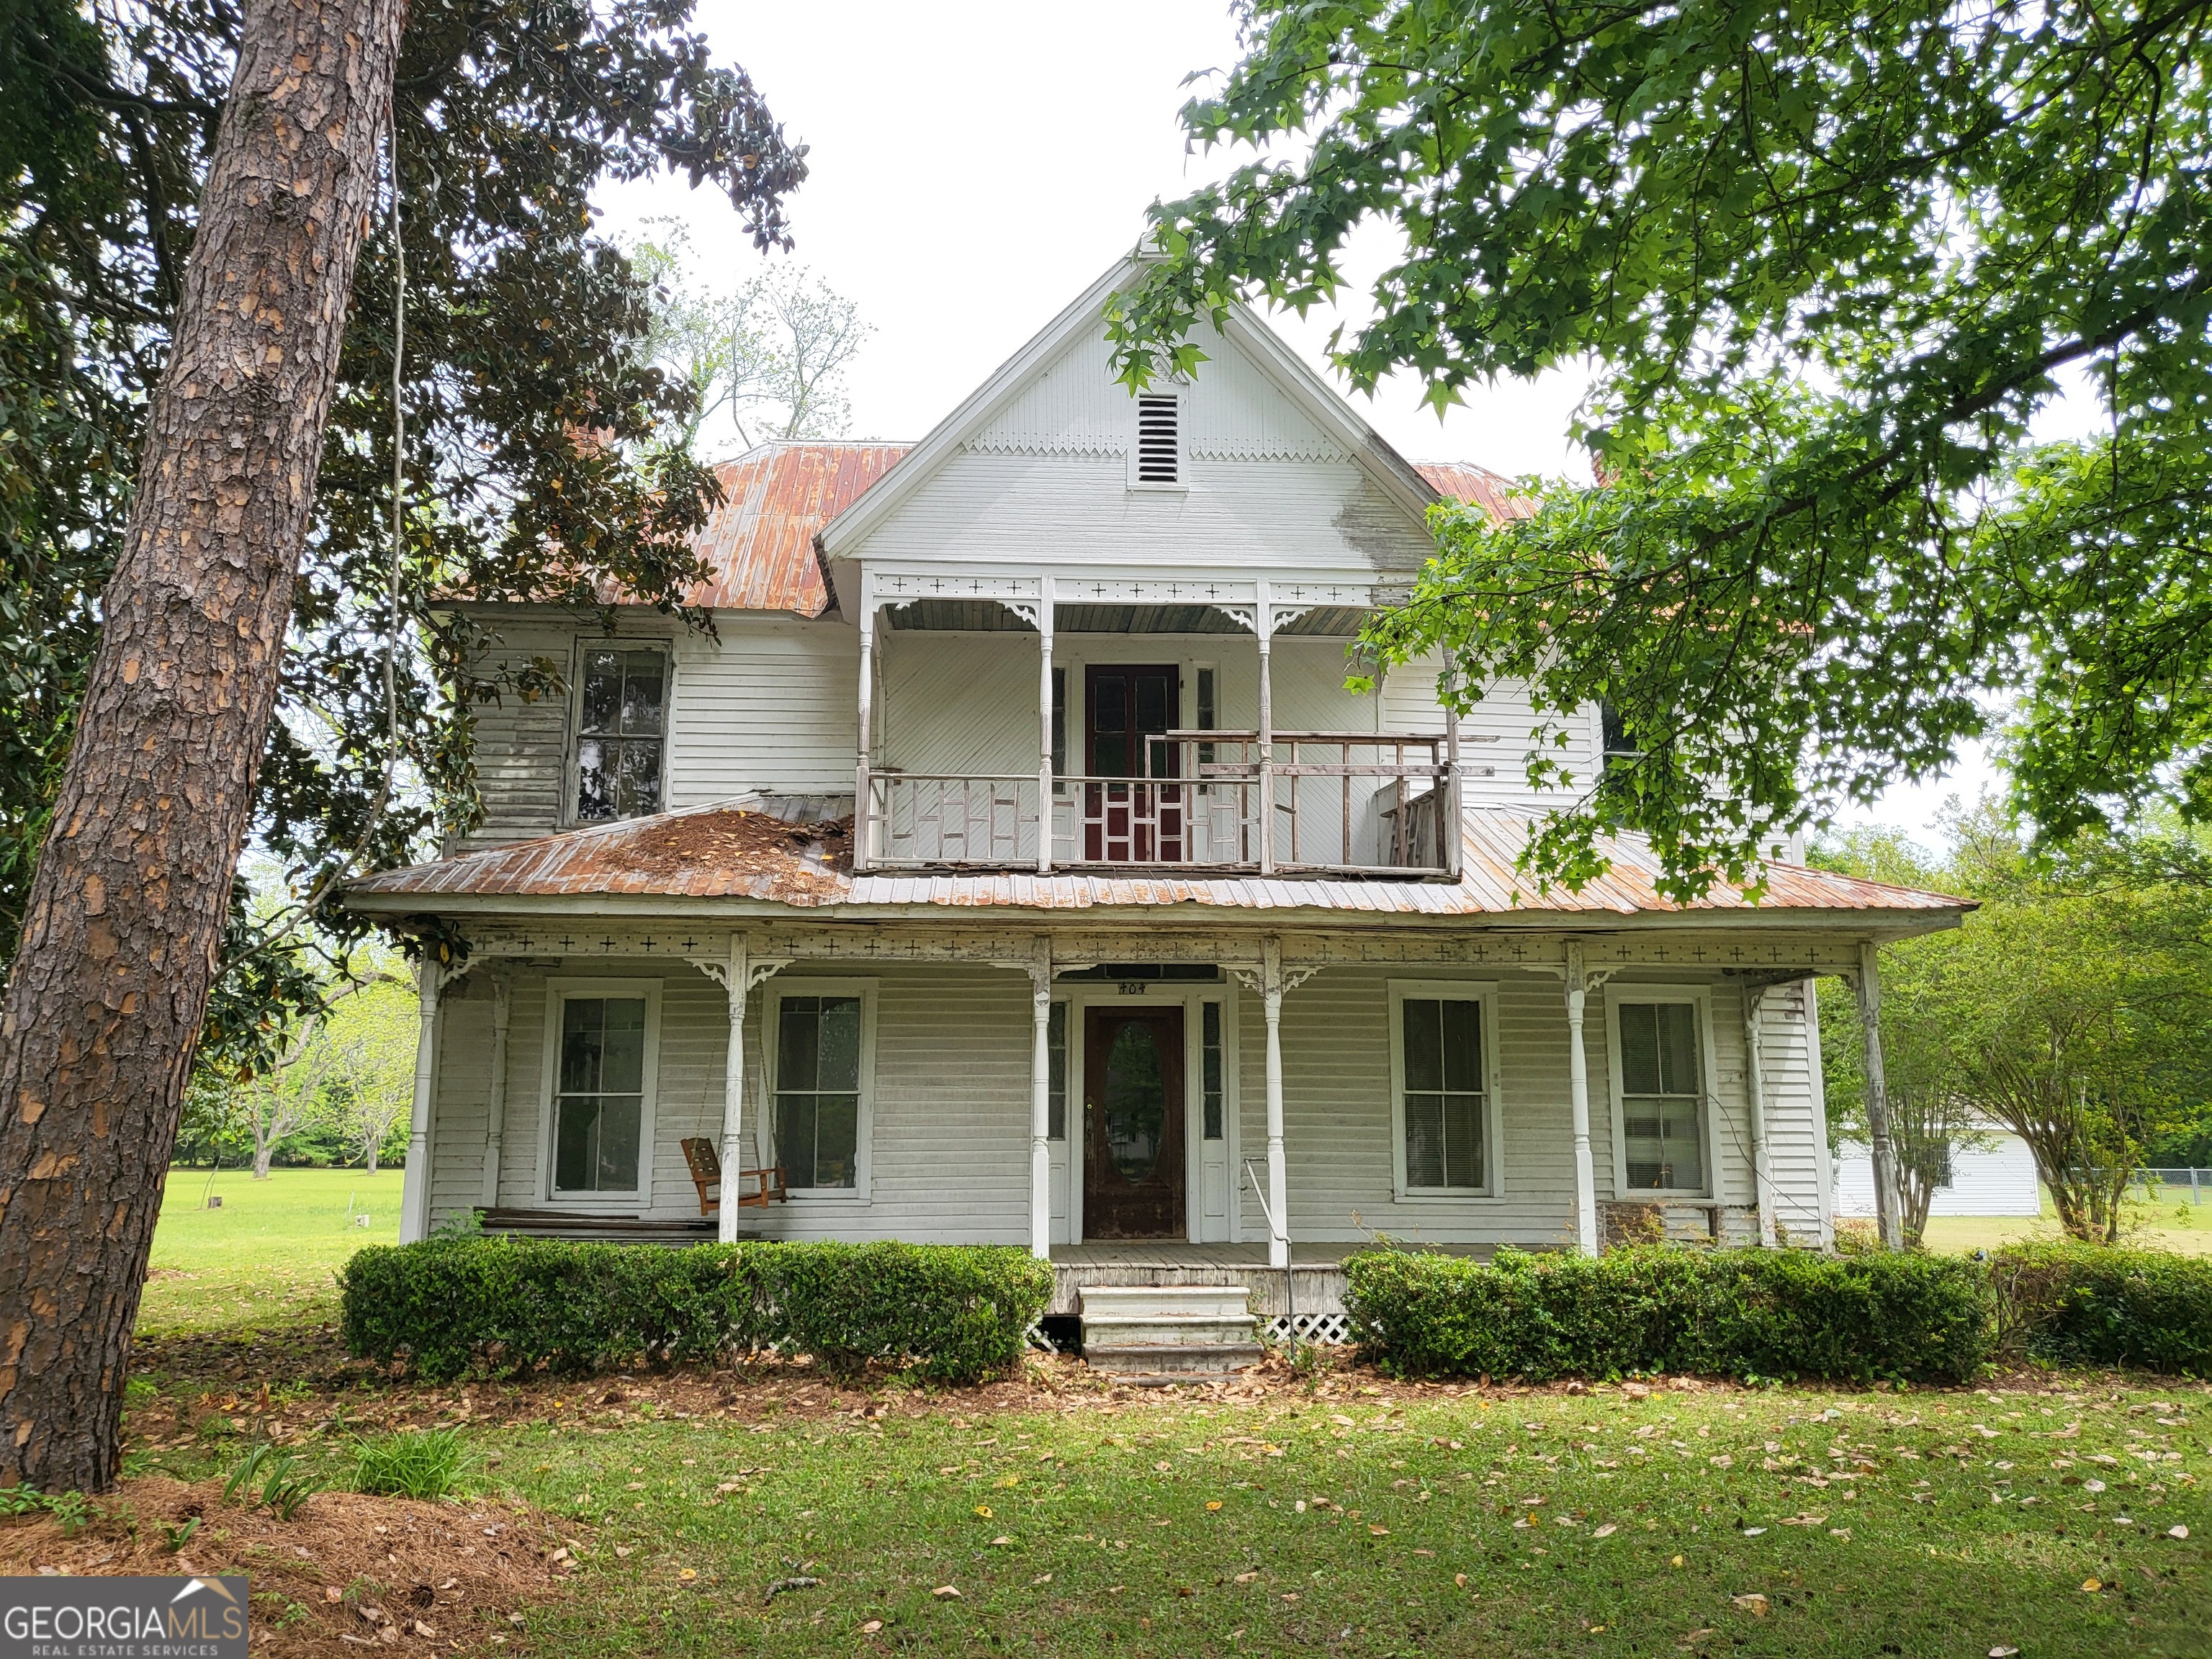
954, 1313
1743, 1312
2089, 1304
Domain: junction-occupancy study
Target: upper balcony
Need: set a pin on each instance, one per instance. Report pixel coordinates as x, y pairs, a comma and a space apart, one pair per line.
1009, 732
1306, 803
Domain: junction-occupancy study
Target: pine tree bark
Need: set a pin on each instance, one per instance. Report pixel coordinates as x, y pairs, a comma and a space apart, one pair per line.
119, 946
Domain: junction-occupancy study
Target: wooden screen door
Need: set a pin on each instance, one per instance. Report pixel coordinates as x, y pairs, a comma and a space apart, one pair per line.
1132, 1124
1131, 823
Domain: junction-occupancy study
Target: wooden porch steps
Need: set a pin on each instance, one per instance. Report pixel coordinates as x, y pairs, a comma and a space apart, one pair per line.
1152, 1330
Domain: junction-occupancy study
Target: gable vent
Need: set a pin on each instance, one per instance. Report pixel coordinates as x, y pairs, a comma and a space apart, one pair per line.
1159, 451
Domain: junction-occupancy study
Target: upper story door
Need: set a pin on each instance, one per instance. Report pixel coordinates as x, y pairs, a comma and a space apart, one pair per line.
1131, 823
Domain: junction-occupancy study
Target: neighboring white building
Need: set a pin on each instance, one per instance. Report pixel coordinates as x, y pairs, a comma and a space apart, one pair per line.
1149, 937
1995, 1176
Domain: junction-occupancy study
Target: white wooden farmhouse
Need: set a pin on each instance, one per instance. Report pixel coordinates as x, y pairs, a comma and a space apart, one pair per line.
1013, 866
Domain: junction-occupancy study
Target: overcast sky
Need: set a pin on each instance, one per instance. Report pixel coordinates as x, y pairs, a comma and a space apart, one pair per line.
974, 165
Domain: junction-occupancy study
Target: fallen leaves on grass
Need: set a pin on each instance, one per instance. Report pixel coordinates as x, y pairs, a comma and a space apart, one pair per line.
1754, 1604
785, 1586
945, 1593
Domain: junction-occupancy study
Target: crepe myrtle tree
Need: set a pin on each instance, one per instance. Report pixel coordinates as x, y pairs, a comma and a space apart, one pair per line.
1825, 263
243, 638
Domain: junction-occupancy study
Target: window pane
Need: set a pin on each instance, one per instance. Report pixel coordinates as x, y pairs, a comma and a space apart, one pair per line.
840, 1066
794, 1138
1463, 1118
1424, 1059
618, 1135
1210, 1052
1205, 710
836, 1139
583, 1030
644, 679
576, 1145
602, 695
1152, 701
1425, 1141
1110, 710
1677, 1030
637, 791
1639, 1049
1462, 1045
1684, 1158
1059, 722
1055, 1043
595, 779
798, 1045
621, 1060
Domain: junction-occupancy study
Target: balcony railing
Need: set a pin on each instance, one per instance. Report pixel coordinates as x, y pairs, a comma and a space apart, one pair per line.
1333, 803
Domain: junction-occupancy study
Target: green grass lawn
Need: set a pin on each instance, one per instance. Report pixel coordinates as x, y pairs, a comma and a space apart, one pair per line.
2174, 1223
266, 1256
1340, 1513
1355, 1515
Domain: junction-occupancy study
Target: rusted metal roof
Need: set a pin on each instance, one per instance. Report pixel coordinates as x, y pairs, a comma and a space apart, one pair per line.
732, 853
1478, 486
760, 542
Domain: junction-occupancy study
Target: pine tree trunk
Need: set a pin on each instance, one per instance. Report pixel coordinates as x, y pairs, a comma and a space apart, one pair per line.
119, 940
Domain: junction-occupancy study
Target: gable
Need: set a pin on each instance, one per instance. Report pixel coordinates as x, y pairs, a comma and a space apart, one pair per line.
1279, 475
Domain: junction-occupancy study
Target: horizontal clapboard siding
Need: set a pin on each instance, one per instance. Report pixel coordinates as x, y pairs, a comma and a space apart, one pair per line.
949, 1143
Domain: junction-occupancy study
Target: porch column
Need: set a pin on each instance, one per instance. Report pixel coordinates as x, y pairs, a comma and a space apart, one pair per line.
1450, 811
1263, 619
1578, 1106
1278, 1185
415, 1188
863, 818
503, 1004
1754, 1077
1887, 1217
1044, 726
1041, 1103
737, 983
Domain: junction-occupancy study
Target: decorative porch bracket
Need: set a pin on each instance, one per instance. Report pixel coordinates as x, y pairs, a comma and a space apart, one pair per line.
736, 974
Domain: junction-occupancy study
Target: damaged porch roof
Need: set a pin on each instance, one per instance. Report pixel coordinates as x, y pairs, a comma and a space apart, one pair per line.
740, 858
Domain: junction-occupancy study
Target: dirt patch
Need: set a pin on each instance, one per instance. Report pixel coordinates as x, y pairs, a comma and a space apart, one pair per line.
346, 1573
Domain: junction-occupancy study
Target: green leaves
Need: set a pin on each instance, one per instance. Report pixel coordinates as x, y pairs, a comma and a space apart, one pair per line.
1827, 263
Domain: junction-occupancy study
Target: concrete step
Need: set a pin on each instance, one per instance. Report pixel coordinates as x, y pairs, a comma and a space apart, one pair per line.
1172, 1301
1144, 1361
1143, 1331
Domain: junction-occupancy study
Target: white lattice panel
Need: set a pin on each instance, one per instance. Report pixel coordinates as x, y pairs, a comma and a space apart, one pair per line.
1310, 1328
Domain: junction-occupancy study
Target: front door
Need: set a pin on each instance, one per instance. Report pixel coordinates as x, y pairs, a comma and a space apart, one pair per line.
1131, 823
1132, 1119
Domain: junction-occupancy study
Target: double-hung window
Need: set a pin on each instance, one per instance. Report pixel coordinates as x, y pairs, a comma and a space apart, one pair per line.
1659, 1090
602, 1088
1444, 1091
822, 1081
622, 717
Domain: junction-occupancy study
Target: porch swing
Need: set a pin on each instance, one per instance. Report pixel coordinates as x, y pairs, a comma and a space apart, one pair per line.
707, 1172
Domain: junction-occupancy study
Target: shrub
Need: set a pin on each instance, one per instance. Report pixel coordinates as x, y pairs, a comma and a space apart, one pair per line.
955, 1313
2092, 1304
1763, 1313
425, 1464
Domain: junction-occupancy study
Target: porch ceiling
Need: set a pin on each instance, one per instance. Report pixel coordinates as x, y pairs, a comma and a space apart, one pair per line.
728, 853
